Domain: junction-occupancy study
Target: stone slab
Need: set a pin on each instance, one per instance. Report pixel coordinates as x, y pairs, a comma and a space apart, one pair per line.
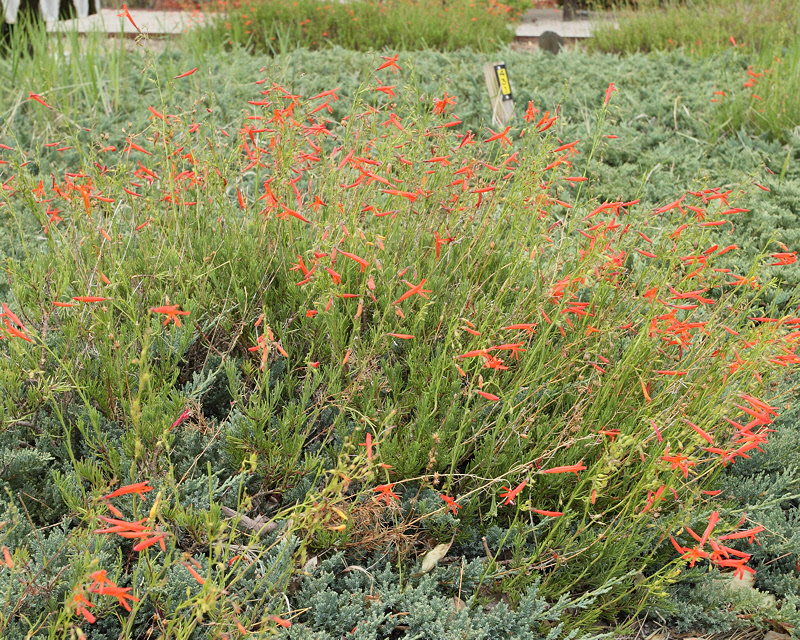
157, 23
536, 21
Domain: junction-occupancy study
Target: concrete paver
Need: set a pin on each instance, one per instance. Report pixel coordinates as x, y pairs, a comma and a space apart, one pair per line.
536, 21
162, 23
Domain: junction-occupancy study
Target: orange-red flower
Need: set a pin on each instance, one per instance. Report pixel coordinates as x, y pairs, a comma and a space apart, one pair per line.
385, 491
679, 461
281, 621
88, 298
80, 600
368, 444
126, 14
783, 258
38, 98
441, 105
611, 88
120, 593
531, 112
200, 580
502, 137
138, 487
414, 288
101, 585
510, 493
391, 63
7, 557
185, 74
172, 313
570, 468
451, 503
149, 542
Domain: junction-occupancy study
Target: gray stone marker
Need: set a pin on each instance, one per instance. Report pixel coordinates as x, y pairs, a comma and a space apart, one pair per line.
551, 41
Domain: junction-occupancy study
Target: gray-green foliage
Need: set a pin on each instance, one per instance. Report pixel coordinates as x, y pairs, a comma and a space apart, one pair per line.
376, 604
703, 603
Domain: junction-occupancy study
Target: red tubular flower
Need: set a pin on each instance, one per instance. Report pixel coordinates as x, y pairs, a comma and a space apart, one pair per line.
144, 544
502, 137
185, 74
712, 522
120, 593
80, 600
126, 14
368, 444
138, 487
609, 91
38, 98
7, 557
385, 491
172, 313
572, 468
441, 105
451, 503
88, 298
510, 493
281, 621
200, 580
391, 63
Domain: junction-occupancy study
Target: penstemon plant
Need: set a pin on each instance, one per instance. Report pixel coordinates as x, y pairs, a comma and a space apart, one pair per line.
372, 334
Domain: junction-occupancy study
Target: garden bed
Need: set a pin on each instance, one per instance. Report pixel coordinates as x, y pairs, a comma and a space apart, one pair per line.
474, 348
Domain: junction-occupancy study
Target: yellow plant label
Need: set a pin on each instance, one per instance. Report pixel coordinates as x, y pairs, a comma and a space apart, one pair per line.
502, 79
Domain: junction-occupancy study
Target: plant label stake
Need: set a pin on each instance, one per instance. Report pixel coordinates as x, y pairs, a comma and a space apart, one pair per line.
499, 92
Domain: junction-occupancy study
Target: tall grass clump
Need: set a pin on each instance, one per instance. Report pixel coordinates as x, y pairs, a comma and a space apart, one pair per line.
762, 93
701, 27
363, 25
247, 358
